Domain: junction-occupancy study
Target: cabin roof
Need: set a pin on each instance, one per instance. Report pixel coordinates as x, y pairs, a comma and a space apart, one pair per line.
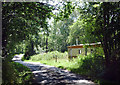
88, 44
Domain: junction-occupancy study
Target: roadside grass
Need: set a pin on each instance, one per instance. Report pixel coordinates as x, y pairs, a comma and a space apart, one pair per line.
58, 59
61, 63
23, 73
15, 73
91, 66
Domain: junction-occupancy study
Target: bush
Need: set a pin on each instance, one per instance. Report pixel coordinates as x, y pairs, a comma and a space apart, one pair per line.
91, 66
24, 74
48, 56
15, 73
8, 73
23, 58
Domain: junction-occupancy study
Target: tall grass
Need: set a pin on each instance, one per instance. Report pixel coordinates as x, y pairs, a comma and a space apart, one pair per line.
49, 56
91, 66
87, 65
55, 58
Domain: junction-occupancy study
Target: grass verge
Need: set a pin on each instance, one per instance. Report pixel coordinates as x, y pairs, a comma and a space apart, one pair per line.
91, 66
15, 73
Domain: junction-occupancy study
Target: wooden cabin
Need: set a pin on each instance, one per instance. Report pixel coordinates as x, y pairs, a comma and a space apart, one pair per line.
84, 49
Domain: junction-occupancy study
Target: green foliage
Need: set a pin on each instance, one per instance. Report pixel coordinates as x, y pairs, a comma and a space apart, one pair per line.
29, 50
50, 59
24, 74
8, 73
48, 56
15, 73
92, 66
99, 51
95, 22
59, 34
23, 58
102, 24
65, 10
77, 31
21, 21
84, 28
20, 48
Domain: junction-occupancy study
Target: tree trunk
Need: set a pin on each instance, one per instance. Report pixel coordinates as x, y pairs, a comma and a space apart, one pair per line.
105, 44
32, 47
46, 44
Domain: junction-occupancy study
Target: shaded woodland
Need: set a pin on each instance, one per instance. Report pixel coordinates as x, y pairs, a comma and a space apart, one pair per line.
34, 27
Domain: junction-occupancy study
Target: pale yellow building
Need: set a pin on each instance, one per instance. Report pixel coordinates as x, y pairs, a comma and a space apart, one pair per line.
84, 49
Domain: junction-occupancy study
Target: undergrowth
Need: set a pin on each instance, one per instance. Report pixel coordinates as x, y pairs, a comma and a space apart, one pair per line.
15, 73
91, 66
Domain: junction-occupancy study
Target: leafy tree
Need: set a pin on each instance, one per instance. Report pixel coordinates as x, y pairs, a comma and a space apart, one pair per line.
76, 32
59, 34
59, 30
106, 29
20, 21
110, 26
64, 10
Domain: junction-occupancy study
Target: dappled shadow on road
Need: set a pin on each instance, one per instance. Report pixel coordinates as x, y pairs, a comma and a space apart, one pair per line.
55, 76
48, 75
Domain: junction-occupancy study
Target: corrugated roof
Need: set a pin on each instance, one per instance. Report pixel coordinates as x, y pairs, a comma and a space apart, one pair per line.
81, 45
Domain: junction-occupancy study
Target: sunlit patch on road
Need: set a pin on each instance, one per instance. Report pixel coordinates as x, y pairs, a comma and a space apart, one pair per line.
49, 75
18, 57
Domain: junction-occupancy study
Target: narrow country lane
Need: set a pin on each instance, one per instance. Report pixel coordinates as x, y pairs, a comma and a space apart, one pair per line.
49, 75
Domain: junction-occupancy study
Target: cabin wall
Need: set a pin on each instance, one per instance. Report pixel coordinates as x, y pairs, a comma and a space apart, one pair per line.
74, 52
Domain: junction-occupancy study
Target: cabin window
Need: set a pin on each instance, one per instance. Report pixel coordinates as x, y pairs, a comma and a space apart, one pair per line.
79, 51
91, 50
